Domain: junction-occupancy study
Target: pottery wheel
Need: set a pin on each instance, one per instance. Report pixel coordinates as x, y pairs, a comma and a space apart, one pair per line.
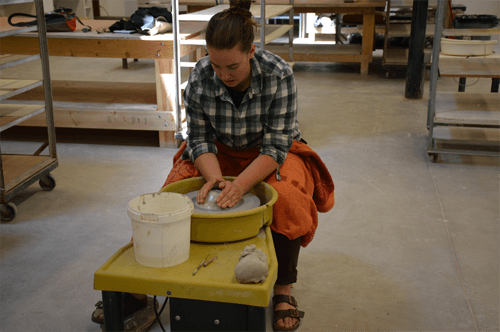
247, 202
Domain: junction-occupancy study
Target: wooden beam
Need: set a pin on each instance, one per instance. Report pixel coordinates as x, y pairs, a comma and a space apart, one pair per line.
323, 53
167, 139
104, 116
98, 48
367, 43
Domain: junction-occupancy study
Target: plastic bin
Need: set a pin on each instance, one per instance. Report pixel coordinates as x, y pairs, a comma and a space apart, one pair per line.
475, 22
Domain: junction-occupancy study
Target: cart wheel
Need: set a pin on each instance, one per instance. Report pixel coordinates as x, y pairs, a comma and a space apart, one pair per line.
433, 157
9, 211
47, 183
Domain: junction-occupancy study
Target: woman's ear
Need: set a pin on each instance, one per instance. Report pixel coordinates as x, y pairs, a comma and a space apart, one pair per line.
252, 50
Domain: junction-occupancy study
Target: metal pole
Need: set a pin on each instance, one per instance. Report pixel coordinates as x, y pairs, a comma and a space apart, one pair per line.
290, 34
2, 181
415, 65
262, 24
177, 70
47, 84
434, 69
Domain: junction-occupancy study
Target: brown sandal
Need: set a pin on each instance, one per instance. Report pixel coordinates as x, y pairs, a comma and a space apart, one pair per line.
292, 313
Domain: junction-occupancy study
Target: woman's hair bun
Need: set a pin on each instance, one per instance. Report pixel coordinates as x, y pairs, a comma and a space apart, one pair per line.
244, 4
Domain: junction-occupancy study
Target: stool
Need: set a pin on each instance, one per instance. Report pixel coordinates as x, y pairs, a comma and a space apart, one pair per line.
211, 300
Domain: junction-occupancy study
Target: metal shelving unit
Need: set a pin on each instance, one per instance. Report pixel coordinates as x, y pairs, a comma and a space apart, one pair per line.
18, 171
468, 118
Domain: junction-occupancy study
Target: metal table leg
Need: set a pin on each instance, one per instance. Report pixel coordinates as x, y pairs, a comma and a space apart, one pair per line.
495, 82
461, 84
113, 311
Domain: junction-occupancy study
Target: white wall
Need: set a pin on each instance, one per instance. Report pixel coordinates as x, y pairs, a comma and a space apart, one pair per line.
489, 7
122, 8
27, 8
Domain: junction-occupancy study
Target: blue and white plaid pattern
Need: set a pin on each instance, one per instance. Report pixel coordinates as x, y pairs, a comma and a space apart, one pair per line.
267, 116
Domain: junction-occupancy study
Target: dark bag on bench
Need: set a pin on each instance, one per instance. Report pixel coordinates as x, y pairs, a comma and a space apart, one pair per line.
60, 20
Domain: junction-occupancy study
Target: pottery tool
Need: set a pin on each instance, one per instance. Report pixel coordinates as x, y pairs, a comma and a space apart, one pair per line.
210, 261
199, 266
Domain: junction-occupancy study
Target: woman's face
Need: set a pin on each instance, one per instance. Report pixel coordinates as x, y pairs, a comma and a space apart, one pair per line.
232, 66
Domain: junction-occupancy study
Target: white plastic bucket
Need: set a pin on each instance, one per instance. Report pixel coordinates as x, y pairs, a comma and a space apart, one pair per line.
161, 227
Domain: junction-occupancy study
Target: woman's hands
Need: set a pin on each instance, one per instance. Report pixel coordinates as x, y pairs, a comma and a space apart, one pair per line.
208, 165
230, 195
212, 184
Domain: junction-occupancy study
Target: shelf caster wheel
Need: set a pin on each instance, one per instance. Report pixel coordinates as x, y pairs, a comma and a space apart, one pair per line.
433, 157
387, 74
47, 182
9, 211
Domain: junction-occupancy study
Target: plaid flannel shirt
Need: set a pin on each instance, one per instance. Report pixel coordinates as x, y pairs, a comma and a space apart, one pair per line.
267, 116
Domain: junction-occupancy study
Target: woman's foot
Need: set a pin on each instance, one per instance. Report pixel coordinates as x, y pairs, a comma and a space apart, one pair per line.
287, 322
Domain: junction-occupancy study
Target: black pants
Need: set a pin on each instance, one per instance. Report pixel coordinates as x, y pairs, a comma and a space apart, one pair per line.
287, 252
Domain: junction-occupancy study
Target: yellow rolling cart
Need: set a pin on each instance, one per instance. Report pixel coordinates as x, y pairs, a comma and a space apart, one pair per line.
210, 300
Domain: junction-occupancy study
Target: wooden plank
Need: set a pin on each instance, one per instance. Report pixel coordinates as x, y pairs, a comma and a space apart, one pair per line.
15, 31
12, 84
19, 87
167, 139
137, 49
21, 168
309, 52
469, 67
206, 14
471, 32
367, 44
186, 31
105, 116
273, 31
8, 60
165, 84
106, 45
11, 115
300, 3
472, 134
15, 165
468, 108
96, 48
96, 92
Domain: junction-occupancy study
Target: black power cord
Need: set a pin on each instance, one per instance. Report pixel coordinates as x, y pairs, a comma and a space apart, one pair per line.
158, 314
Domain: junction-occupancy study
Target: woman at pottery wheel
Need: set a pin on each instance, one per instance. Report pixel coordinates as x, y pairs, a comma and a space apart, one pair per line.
241, 107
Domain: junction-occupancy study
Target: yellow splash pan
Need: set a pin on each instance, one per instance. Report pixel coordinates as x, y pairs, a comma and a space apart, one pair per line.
230, 226
216, 282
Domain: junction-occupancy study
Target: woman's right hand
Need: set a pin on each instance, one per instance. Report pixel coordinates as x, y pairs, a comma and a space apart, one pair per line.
212, 184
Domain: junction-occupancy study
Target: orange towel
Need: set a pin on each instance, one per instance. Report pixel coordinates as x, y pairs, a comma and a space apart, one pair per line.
306, 186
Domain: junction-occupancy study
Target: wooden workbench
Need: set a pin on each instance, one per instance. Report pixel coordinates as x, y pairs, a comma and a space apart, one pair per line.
159, 117
339, 53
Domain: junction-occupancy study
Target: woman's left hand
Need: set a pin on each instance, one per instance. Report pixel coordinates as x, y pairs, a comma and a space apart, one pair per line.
230, 195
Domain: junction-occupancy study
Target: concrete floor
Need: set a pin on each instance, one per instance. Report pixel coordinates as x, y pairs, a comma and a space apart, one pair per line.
409, 245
